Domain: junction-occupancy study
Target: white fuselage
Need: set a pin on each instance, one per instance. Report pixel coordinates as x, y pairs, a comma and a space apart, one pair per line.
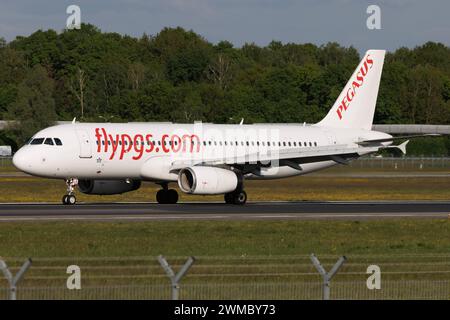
148, 151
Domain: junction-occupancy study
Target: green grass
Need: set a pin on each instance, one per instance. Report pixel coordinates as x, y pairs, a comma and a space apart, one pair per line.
206, 238
235, 260
309, 187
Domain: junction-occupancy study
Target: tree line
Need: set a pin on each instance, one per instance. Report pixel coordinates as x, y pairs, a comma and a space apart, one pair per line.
179, 76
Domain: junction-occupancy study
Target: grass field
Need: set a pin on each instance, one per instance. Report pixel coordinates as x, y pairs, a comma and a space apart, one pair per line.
235, 260
309, 187
205, 238
238, 259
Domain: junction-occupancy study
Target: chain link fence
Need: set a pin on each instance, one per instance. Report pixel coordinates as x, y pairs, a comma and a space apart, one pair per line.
340, 290
230, 278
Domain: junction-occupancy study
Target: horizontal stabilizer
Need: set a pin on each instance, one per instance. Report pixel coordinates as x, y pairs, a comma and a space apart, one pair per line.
366, 142
401, 147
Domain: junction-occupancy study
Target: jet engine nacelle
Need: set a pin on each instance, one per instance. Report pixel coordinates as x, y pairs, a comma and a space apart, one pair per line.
108, 187
207, 180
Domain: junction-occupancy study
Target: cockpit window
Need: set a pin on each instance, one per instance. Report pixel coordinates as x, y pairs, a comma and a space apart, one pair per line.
49, 141
57, 141
37, 141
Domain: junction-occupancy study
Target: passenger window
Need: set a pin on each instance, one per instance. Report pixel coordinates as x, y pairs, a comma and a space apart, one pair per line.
310, 144
57, 141
49, 141
37, 141
315, 144
289, 143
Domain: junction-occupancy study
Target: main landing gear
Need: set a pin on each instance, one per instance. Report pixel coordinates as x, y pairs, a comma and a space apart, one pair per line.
69, 198
237, 197
166, 195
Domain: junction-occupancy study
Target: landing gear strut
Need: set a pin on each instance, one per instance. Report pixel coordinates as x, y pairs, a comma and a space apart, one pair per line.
237, 197
166, 195
69, 198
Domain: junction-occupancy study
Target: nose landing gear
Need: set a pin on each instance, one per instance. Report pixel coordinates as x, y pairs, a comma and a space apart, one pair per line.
69, 198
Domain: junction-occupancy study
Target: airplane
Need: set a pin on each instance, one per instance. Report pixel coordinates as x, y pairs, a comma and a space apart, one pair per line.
209, 159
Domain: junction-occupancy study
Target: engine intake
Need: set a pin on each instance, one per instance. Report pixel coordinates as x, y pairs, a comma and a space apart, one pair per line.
108, 187
207, 180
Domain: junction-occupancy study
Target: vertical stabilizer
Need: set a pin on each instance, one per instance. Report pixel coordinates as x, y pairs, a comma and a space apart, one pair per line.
355, 106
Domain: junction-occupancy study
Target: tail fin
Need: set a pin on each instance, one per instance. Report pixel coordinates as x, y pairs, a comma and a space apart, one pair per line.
355, 106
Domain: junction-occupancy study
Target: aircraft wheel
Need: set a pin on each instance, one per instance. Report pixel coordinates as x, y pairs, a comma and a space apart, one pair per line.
69, 199
229, 198
161, 196
240, 198
172, 196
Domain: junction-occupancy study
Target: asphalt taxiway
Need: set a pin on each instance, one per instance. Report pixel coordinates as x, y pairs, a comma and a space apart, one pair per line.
306, 210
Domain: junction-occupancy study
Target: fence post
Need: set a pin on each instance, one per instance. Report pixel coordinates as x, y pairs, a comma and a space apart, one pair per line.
327, 276
13, 281
175, 278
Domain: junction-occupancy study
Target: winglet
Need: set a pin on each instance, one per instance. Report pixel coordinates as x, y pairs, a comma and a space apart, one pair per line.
402, 147
74, 120
242, 121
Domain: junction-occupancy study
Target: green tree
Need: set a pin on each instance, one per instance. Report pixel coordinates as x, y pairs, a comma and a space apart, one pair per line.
34, 108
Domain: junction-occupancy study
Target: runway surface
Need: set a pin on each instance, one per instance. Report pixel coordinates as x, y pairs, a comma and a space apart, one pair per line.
306, 210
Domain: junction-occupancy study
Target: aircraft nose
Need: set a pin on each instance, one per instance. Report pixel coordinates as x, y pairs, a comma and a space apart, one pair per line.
21, 161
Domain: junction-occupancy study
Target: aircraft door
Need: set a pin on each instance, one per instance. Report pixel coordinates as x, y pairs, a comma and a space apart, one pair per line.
331, 137
85, 144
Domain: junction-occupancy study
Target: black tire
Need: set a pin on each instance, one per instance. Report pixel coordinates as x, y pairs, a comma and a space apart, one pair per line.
64, 199
240, 198
161, 196
228, 197
172, 196
71, 199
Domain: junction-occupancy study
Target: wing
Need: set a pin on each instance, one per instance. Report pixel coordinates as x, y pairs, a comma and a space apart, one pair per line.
292, 157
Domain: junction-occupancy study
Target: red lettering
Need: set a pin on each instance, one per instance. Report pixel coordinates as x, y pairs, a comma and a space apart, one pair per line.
344, 103
99, 141
350, 97
364, 69
351, 92
176, 146
115, 144
126, 145
138, 143
191, 138
163, 143
339, 111
369, 61
106, 139
149, 142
